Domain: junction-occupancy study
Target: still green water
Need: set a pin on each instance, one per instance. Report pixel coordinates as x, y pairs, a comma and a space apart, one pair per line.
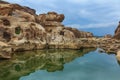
85, 64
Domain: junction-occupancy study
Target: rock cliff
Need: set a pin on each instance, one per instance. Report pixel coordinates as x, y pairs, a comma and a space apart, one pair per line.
22, 29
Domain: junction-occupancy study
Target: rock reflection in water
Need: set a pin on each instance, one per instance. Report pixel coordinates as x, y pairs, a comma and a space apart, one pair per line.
24, 63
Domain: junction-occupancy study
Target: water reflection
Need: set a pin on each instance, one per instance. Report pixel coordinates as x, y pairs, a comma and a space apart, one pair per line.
24, 63
93, 66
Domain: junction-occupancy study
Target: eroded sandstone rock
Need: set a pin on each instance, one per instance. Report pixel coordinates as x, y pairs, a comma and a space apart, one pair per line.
117, 32
51, 20
51, 16
21, 29
108, 36
80, 34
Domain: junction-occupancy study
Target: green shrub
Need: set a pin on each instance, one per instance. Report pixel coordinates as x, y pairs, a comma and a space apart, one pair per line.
17, 30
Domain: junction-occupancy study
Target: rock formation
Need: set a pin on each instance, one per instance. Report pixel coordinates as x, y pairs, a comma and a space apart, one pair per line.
117, 32
108, 36
21, 29
80, 34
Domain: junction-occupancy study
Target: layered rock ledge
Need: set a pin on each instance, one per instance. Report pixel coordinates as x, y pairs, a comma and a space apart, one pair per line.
22, 29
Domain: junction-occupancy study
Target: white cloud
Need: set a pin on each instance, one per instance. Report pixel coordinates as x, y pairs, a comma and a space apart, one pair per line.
15, 1
98, 10
93, 25
80, 13
78, 1
85, 13
46, 3
74, 26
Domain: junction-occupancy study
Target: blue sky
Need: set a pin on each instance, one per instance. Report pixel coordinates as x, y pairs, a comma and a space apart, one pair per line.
98, 16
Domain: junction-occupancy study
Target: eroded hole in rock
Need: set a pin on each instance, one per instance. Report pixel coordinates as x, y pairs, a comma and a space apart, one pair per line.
17, 30
7, 36
61, 33
50, 30
6, 22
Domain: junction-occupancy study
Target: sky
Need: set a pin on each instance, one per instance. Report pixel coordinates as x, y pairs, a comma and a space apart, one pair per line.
97, 16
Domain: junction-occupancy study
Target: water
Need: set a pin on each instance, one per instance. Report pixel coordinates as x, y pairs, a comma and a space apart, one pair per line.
86, 64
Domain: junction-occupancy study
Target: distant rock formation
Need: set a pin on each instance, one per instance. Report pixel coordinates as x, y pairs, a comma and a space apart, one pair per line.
108, 36
117, 32
80, 34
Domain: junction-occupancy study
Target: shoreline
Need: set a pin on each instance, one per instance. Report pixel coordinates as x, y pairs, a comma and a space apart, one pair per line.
22, 29
103, 43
